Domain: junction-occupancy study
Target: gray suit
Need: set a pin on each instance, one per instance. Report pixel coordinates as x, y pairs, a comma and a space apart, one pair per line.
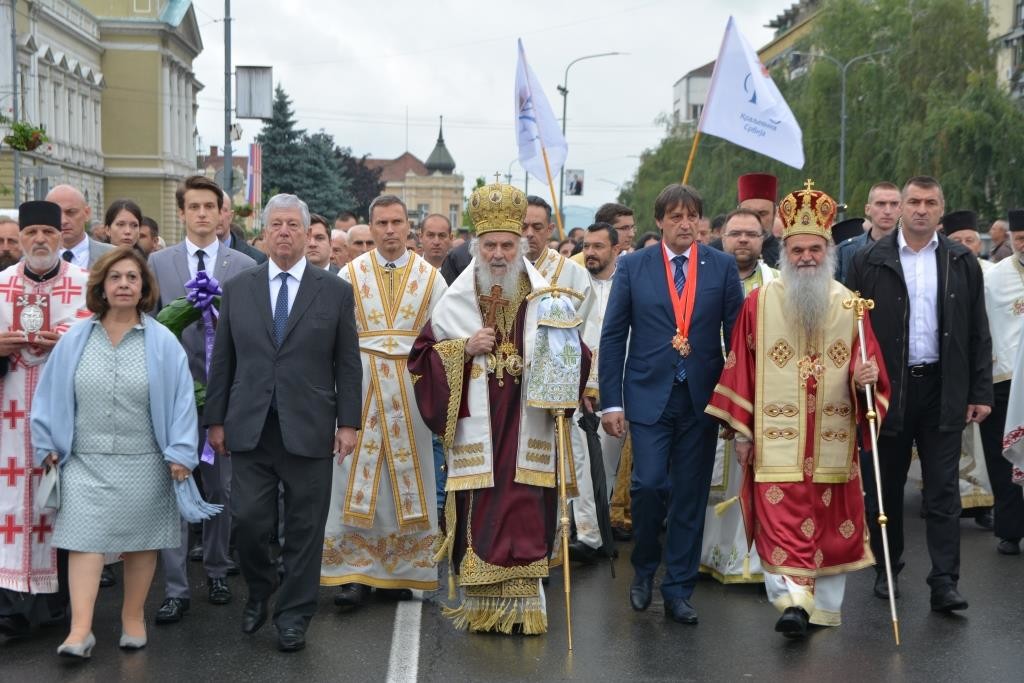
170, 266
97, 249
280, 406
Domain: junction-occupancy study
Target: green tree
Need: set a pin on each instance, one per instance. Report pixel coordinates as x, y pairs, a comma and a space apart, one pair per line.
930, 105
281, 153
324, 184
306, 165
365, 182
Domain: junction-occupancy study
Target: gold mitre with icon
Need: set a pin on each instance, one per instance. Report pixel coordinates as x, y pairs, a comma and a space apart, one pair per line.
807, 212
497, 208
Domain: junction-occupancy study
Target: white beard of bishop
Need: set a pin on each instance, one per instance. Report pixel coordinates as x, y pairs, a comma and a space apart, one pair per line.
808, 293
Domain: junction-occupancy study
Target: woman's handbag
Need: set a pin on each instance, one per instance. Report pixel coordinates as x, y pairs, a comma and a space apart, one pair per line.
48, 493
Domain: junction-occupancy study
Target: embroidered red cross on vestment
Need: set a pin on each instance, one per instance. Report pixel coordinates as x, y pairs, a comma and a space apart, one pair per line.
13, 414
12, 472
41, 529
12, 289
65, 290
9, 529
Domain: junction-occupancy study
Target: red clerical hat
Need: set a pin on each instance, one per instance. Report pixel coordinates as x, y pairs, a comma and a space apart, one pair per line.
757, 186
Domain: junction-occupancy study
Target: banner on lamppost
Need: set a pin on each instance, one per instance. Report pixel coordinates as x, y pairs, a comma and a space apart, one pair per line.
574, 182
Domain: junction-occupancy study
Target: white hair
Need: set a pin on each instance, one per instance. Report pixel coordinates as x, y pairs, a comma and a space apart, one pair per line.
338, 233
286, 201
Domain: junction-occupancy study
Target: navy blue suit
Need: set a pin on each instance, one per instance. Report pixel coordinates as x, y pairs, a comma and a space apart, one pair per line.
673, 440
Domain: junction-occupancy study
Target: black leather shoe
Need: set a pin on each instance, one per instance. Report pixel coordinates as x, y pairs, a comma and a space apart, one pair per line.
620, 534
882, 586
640, 593
172, 610
792, 623
1009, 546
107, 577
352, 595
220, 594
680, 610
291, 639
254, 615
583, 553
395, 594
195, 553
947, 599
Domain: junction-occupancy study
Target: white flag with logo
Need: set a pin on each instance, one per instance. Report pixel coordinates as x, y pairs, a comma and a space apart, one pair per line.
746, 108
536, 125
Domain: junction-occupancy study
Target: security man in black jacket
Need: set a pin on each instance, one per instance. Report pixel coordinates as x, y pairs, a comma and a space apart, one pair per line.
930, 320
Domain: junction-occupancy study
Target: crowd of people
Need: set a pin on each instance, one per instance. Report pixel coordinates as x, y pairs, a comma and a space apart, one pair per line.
371, 406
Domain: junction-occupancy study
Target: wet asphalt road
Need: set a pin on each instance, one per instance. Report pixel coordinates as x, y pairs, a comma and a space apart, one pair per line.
734, 641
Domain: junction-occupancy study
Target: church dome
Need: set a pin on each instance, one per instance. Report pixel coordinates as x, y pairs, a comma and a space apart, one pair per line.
440, 160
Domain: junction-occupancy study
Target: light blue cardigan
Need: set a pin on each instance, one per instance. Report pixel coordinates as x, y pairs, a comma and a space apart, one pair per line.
172, 405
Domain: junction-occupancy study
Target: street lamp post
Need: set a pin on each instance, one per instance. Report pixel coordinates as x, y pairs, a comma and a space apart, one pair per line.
564, 90
843, 68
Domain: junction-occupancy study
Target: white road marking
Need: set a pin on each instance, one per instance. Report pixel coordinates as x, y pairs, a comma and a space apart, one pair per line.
403, 665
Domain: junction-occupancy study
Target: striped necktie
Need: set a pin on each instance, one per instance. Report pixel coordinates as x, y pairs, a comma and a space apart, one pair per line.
680, 281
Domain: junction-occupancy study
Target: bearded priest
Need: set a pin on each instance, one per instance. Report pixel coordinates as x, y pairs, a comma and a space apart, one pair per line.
473, 366
792, 389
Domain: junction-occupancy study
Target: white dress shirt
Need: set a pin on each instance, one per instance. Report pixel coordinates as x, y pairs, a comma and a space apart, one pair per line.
79, 253
295, 277
921, 273
210, 252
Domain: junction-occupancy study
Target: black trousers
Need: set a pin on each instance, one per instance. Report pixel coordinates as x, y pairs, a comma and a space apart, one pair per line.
1009, 506
307, 496
939, 453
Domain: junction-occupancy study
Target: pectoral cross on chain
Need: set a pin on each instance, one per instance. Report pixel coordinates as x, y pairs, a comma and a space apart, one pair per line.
493, 302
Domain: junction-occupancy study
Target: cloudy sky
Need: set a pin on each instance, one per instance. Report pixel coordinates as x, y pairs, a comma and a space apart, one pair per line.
360, 70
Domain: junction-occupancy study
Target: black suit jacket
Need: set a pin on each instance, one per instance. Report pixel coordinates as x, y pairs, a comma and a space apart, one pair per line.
247, 249
316, 372
455, 262
965, 343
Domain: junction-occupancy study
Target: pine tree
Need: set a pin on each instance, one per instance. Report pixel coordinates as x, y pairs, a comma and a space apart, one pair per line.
306, 165
281, 148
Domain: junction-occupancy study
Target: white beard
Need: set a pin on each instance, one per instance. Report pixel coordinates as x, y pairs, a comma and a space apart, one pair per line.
807, 293
508, 282
40, 264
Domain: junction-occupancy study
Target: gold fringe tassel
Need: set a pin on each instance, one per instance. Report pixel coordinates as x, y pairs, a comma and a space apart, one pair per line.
445, 545
746, 565
499, 614
725, 505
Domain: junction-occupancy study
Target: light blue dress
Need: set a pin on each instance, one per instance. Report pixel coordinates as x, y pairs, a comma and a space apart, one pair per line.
116, 488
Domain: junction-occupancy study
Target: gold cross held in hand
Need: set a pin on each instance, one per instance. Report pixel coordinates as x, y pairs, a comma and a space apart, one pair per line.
493, 302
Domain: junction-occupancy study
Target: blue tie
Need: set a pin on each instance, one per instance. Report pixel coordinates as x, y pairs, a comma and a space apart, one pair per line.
680, 280
281, 309
680, 277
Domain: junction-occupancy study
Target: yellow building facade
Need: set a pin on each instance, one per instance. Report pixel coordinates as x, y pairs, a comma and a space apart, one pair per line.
112, 82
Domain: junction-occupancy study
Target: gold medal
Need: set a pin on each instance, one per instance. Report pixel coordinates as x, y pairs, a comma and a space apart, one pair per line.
681, 344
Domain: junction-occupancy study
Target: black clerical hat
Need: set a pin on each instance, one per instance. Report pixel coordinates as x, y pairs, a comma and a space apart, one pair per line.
39, 213
955, 221
1015, 219
844, 230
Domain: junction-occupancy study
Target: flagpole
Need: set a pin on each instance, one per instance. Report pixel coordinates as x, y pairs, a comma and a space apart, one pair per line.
554, 197
693, 153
